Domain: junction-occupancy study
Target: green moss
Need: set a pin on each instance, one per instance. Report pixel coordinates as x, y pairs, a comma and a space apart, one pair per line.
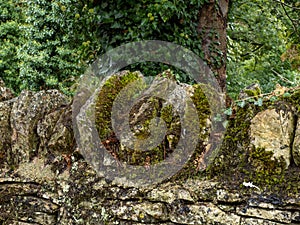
239, 161
264, 170
202, 106
106, 97
253, 92
231, 154
167, 114
293, 98
155, 108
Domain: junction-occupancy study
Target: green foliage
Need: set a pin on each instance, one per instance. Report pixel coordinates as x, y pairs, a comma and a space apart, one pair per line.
46, 44
11, 38
126, 21
59, 36
259, 32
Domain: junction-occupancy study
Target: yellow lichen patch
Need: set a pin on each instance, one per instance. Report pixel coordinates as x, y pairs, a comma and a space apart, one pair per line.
36, 170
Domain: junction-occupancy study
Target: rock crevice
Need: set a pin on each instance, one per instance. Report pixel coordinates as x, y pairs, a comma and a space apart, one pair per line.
45, 180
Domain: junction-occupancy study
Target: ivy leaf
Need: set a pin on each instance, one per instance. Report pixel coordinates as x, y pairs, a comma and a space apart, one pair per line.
273, 98
286, 95
228, 111
259, 102
241, 104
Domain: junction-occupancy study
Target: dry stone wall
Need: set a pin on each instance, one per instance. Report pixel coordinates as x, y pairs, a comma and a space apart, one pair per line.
45, 180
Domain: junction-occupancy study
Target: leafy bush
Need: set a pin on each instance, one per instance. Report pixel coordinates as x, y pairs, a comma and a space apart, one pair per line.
258, 36
11, 38
48, 44
126, 21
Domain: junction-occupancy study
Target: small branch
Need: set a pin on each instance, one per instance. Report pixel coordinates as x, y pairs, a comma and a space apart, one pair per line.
283, 3
282, 78
259, 46
268, 94
286, 13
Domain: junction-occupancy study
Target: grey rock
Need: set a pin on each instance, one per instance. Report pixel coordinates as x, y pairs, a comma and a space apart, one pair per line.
5, 130
296, 144
272, 129
266, 214
252, 221
205, 213
146, 212
28, 109
5, 93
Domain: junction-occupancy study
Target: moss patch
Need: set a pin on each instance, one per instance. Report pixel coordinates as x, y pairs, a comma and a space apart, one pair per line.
140, 122
106, 97
239, 161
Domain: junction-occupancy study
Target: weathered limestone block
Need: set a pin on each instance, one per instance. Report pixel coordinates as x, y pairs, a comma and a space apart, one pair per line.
24, 204
272, 130
5, 93
46, 126
27, 110
296, 216
145, 212
267, 214
56, 131
205, 213
296, 144
251, 221
204, 190
148, 127
169, 194
5, 130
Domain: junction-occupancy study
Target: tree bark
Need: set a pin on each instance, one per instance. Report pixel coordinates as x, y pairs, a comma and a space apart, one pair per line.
212, 29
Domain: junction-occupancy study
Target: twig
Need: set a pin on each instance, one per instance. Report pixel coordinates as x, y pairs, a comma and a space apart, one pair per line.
268, 94
294, 26
283, 3
282, 78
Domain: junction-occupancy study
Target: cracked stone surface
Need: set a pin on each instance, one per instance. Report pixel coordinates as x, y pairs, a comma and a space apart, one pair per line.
45, 180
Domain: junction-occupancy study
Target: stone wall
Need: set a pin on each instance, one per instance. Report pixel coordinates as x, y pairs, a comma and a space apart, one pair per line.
45, 180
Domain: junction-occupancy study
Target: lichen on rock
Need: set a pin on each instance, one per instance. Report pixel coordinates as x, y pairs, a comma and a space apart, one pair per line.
44, 178
144, 118
273, 130
296, 144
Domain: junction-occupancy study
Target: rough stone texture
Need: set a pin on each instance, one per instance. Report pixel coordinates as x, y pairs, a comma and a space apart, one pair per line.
251, 221
45, 180
5, 129
272, 130
6, 102
27, 111
296, 144
269, 214
205, 213
5, 93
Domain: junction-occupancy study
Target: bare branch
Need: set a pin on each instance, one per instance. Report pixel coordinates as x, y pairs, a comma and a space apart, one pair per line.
283, 3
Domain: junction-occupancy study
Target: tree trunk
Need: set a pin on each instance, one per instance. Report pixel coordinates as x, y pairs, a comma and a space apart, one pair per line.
212, 28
